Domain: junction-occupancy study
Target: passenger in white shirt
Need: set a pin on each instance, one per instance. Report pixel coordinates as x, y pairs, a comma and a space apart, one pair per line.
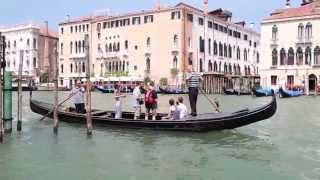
182, 108
77, 94
137, 101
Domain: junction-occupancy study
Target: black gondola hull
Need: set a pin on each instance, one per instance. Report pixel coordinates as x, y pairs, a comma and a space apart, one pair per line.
201, 123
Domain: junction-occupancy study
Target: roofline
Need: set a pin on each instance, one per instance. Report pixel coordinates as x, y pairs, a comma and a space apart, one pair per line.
312, 17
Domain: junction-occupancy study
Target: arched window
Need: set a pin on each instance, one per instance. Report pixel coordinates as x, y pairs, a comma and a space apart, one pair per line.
274, 33
225, 49
299, 56
225, 68
28, 42
71, 47
110, 47
230, 69
308, 56
308, 31
215, 48
123, 66
175, 62
239, 69
220, 49
201, 65
234, 69
245, 55
148, 65
230, 51
291, 56
117, 66
210, 68
220, 67
61, 48
215, 66
76, 68
317, 55
258, 58
283, 56
76, 44
238, 54
300, 31
106, 48
34, 43
114, 48
118, 46
79, 46
209, 46
71, 68
83, 67
175, 41
61, 68
148, 42
274, 57
126, 44
83, 45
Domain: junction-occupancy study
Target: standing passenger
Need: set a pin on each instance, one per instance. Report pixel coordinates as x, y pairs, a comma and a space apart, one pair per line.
151, 101
118, 105
137, 101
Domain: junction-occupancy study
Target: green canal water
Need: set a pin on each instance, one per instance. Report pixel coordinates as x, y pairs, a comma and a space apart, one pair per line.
285, 147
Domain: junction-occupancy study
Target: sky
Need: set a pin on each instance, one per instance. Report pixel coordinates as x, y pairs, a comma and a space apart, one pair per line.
55, 11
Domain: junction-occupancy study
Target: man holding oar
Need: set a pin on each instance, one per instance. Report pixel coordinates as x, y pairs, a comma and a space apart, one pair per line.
193, 81
77, 94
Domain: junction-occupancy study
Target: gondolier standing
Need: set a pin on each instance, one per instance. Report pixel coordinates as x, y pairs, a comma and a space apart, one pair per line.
193, 82
78, 97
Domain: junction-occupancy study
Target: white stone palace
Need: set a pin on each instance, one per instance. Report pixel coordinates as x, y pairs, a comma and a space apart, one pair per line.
160, 43
37, 43
290, 47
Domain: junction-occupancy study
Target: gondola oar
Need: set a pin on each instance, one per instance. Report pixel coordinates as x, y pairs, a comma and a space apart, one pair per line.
214, 104
57, 106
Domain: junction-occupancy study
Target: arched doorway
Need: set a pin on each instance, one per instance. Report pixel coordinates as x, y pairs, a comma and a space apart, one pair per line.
312, 82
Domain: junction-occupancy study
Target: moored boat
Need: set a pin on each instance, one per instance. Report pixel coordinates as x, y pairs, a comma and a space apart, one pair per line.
262, 92
288, 93
104, 90
201, 123
172, 91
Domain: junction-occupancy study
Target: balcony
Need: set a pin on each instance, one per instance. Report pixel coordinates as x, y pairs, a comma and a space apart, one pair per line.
274, 43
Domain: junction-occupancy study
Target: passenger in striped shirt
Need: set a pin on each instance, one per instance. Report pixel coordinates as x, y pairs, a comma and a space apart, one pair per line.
193, 81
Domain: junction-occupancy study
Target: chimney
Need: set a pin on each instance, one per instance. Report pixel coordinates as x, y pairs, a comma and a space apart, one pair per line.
288, 4
158, 5
46, 27
252, 25
206, 8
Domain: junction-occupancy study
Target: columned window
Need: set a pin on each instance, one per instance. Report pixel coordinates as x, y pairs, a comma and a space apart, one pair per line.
71, 47
215, 48
238, 54
175, 62
317, 55
230, 52
274, 57
220, 49
291, 56
283, 56
274, 33
225, 49
300, 31
215, 66
308, 56
210, 66
299, 56
308, 31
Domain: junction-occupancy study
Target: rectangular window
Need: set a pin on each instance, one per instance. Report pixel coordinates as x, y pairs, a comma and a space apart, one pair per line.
290, 80
230, 32
220, 28
136, 20
215, 26
71, 29
62, 30
148, 19
201, 21
175, 15
245, 37
104, 25
210, 24
255, 44
274, 80
190, 17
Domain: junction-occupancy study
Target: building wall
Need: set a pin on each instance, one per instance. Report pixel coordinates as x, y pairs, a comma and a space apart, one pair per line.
169, 38
287, 38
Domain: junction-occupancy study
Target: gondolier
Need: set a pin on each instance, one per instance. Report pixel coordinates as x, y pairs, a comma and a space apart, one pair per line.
77, 94
193, 82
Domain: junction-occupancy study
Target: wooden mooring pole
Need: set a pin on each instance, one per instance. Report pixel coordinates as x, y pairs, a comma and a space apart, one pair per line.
1, 104
56, 97
19, 123
88, 86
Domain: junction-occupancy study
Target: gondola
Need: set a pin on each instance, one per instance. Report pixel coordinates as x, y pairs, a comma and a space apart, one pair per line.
176, 91
287, 94
201, 123
263, 92
104, 90
235, 92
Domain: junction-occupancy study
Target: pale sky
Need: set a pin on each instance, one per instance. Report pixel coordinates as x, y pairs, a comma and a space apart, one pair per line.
54, 11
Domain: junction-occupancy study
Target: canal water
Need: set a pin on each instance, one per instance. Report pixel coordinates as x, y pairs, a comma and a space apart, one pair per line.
285, 147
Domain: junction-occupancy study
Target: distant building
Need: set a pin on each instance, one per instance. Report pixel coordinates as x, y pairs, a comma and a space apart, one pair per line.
37, 44
290, 47
160, 43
